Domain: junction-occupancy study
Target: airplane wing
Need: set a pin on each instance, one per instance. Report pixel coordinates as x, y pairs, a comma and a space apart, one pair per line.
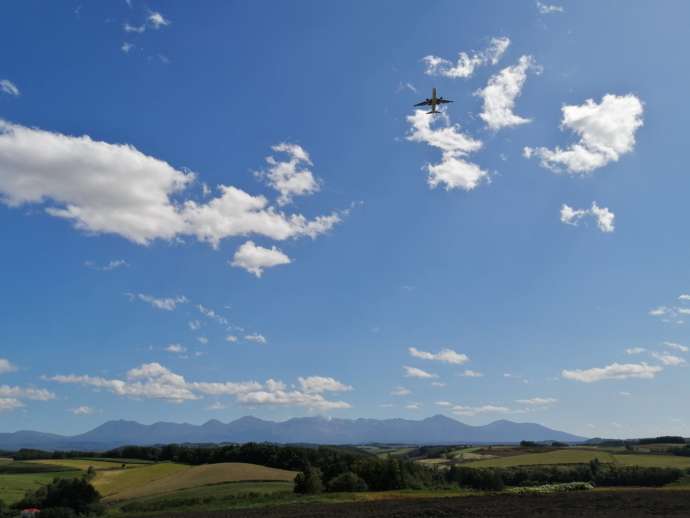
424, 103
443, 101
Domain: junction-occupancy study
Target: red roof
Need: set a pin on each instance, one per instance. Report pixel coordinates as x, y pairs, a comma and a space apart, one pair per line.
31, 510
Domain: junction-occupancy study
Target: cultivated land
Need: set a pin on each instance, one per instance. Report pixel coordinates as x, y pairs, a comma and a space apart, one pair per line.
13, 487
204, 475
87, 463
615, 504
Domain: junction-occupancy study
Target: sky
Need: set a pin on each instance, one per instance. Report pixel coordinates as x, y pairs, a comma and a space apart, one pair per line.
235, 209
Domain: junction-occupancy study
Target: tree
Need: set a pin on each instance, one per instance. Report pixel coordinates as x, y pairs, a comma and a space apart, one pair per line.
347, 482
308, 482
74, 493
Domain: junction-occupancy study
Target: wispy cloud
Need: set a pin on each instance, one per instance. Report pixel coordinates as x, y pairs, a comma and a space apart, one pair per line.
466, 63
9, 87
444, 355
114, 264
414, 372
165, 303
615, 371
256, 338
290, 177
549, 8
6, 366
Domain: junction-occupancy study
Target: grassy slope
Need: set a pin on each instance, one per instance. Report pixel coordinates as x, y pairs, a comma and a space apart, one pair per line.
191, 477
13, 487
659, 461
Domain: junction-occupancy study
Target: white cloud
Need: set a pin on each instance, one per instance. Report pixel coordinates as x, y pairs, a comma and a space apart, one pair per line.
82, 410
444, 403
231, 338
606, 130
615, 371
468, 373
677, 346
453, 172
113, 264
35, 394
445, 355
635, 350
154, 381
413, 406
134, 28
6, 366
414, 372
255, 258
625, 394
537, 401
157, 20
549, 9
319, 384
290, 177
116, 189
194, 325
438, 384
176, 349
467, 63
400, 391
475, 410
9, 404
202, 340
669, 359
603, 216
684, 296
256, 338
500, 93
9, 87
126, 47
166, 303
209, 313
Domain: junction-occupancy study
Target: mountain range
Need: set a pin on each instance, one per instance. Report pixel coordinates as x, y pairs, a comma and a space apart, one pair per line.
313, 430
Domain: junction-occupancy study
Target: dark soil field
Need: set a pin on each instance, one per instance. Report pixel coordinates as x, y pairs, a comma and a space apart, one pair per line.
624, 503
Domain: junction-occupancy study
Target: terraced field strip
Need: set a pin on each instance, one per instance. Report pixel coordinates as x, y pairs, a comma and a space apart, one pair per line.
110, 483
653, 461
204, 475
84, 464
565, 456
13, 487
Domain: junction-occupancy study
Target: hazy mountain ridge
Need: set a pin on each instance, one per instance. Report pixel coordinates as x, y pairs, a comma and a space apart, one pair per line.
317, 430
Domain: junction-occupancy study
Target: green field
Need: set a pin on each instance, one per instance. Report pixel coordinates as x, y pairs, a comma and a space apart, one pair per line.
13, 487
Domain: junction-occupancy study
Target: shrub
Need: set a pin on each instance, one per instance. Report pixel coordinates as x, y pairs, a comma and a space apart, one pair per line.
347, 482
308, 482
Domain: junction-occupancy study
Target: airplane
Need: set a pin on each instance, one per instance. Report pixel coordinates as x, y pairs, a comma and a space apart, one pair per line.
433, 102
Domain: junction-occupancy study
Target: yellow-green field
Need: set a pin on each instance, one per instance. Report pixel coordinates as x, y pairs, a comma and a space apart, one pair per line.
113, 482
13, 487
85, 464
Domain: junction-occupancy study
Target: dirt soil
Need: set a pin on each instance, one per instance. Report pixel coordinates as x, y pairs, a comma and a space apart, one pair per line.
629, 503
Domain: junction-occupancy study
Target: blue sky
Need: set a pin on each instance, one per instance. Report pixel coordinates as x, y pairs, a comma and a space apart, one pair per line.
529, 244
